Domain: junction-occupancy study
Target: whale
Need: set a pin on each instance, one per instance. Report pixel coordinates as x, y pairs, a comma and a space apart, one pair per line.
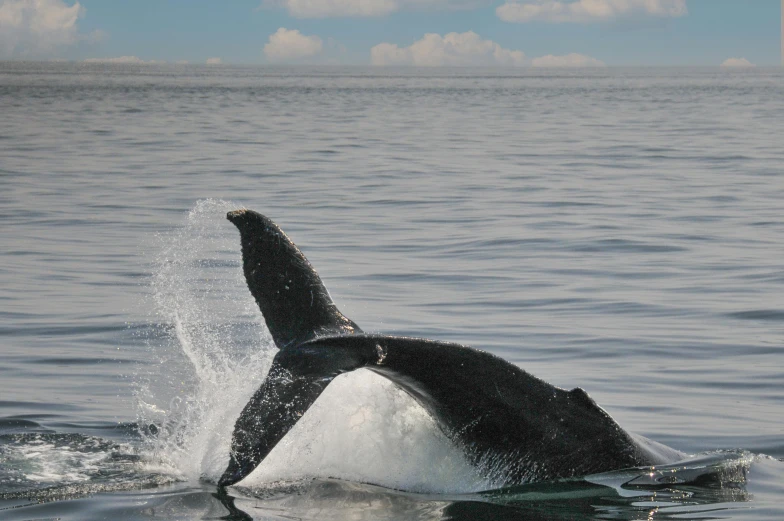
506, 421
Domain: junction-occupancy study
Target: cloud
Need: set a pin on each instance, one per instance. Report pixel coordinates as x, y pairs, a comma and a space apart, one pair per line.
214, 61
736, 62
328, 8
290, 44
587, 11
459, 49
361, 8
568, 60
39, 27
122, 59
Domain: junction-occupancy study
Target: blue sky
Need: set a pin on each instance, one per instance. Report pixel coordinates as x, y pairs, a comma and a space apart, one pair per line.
393, 32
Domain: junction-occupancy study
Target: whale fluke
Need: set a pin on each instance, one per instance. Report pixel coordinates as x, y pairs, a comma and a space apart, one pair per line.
297, 377
516, 425
289, 292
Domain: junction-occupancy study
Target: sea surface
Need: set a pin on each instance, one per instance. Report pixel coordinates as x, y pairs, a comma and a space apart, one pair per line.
619, 230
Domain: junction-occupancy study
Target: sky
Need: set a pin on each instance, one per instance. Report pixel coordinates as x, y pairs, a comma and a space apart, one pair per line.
507, 33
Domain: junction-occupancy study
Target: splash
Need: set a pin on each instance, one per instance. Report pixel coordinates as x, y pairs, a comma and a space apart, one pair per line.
214, 351
364, 429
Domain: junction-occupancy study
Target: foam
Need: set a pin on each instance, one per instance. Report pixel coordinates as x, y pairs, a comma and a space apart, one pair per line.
33, 460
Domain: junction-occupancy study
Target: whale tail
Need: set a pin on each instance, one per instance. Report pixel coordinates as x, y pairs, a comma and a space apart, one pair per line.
289, 292
494, 409
297, 308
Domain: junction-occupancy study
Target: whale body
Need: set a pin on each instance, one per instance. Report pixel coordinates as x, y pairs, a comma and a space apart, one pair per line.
501, 416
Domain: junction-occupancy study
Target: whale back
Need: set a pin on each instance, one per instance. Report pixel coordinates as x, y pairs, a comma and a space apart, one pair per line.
295, 304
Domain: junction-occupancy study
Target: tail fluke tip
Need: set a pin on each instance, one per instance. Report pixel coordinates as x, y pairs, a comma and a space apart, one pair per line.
234, 214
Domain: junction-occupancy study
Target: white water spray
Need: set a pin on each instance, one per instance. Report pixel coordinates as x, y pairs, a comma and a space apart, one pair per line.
215, 352
214, 349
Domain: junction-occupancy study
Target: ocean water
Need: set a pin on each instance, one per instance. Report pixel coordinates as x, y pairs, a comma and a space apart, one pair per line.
620, 230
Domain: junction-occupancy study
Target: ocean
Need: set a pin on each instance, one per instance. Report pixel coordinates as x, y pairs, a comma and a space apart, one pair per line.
617, 229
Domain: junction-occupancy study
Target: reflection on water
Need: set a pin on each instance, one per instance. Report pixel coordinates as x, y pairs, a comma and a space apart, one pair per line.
338, 500
705, 487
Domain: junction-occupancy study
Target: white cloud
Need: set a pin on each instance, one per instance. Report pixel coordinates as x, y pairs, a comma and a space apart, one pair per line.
122, 59
38, 27
568, 60
736, 62
327, 8
586, 11
452, 49
290, 44
214, 61
361, 8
